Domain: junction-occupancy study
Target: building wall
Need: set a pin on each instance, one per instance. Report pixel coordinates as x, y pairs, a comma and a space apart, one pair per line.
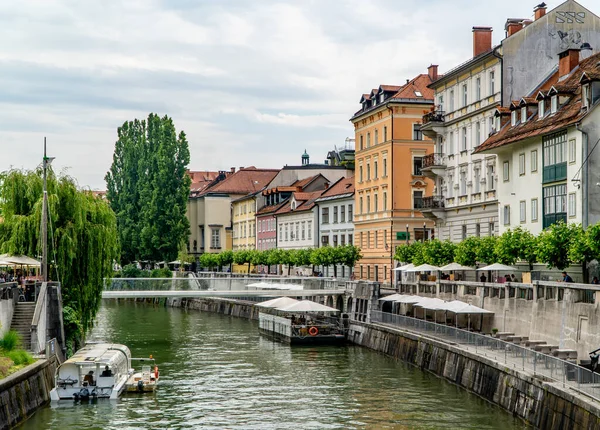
390, 216
590, 173
305, 222
266, 232
288, 175
344, 231
244, 224
195, 214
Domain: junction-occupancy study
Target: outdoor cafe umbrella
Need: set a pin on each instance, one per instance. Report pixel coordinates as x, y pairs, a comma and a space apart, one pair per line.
459, 307
278, 302
307, 306
433, 304
19, 260
392, 297
455, 266
403, 268
498, 266
423, 268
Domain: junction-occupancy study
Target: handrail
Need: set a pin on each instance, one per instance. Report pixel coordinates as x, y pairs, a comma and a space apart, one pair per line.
40, 306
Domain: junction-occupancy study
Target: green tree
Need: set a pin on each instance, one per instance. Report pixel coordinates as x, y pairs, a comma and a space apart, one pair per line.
226, 258
554, 244
83, 242
437, 252
466, 251
208, 260
348, 255
404, 253
148, 188
486, 250
517, 244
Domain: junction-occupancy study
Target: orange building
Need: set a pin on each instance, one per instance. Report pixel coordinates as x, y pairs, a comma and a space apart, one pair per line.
389, 184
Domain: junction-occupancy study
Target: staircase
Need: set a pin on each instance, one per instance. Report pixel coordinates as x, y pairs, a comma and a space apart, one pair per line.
21, 322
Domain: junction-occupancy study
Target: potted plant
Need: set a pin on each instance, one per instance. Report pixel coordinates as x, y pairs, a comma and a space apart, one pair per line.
494, 332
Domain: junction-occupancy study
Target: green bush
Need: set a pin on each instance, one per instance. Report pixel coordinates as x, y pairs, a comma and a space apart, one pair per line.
18, 356
161, 273
10, 340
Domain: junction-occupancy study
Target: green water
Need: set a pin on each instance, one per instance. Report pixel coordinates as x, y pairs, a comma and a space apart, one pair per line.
218, 373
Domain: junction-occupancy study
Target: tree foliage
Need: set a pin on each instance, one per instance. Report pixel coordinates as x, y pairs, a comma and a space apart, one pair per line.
148, 188
486, 250
554, 245
437, 252
516, 244
83, 239
466, 251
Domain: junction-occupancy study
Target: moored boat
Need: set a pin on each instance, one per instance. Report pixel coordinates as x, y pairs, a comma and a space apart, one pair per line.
146, 380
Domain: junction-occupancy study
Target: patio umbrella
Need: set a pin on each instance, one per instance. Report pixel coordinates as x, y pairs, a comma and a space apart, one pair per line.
20, 260
277, 303
498, 266
409, 300
403, 268
424, 268
307, 306
455, 266
392, 298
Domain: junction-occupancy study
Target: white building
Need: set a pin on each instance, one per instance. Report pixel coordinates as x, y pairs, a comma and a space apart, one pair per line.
297, 221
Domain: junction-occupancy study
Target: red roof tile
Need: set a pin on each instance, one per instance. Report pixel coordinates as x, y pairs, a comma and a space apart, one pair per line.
244, 181
341, 187
419, 83
306, 205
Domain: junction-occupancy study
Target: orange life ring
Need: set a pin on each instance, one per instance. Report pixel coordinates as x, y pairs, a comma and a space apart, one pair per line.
313, 331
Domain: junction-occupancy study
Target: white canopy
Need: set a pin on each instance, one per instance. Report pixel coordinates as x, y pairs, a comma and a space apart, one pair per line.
175, 262
392, 298
498, 266
470, 309
424, 268
433, 304
409, 299
455, 266
307, 306
403, 268
278, 302
19, 260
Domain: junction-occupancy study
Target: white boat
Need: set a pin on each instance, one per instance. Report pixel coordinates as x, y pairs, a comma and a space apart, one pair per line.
98, 370
146, 380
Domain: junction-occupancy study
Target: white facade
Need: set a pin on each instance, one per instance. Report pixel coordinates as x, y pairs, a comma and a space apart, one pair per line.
335, 220
465, 200
297, 230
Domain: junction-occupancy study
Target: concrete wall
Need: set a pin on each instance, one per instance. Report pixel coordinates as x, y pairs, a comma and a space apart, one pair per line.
24, 392
7, 308
541, 404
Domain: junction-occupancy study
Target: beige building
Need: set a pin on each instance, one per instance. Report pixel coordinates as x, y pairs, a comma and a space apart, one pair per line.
243, 222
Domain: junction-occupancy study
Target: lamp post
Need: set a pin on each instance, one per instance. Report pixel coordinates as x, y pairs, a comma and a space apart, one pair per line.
424, 227
407, 234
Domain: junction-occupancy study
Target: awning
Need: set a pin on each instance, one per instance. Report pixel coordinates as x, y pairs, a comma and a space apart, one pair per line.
278, 302
424, 268
432, 303
403, 268
19, 260
409, 299
307, 306
455, 266
498, 266
392, 298
471, 310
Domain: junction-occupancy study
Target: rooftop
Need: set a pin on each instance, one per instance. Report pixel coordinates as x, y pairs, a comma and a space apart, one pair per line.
248, 180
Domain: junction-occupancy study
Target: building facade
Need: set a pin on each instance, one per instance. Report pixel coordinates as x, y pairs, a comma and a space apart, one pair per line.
464, 202
297, 221
389, 182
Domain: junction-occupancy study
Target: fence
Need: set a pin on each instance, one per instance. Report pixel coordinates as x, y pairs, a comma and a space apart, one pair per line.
514, 356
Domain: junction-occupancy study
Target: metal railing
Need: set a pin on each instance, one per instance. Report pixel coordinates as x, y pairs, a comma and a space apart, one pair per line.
514, 356
433, 202
435, 159
433, 116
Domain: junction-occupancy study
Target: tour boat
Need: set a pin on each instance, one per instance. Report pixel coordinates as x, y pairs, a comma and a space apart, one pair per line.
146, 380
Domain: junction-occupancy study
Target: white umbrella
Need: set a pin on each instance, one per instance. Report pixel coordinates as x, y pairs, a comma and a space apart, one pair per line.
471, 309
307, 306
175, 262
498, 266
403, 268
424, 268
410, 300
392, 298
19, 260
432, 303
278, 302
455, 266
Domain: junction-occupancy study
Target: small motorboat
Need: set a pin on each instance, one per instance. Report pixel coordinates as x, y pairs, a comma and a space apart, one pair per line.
146, 380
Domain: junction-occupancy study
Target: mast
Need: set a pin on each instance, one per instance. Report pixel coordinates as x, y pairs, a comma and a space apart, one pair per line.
45, 219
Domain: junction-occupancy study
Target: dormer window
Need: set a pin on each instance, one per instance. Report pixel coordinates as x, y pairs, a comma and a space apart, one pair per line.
374, 100
418, 93
513, 118
497, 126
293, 205
524, 114
586, 96
541, 109
381, 97
554, 104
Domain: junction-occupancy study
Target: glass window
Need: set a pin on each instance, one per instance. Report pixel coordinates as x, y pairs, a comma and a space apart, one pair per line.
376, 136
417, 133
572, 205
534, 209
513, 118
350, 213
491, 178
451, 100
360, 205
522, 211
215, 238
524, 114
572, 151
418, 199
477, 134
477, 179
335, 214
541, 109
506, 171
463, 183
375, 169
465, 97
491, 229
478, 88
534, 162
554, 104
335, 240
478, 230
375, 202
360, 174
368, 204
555, 204
521, 164
309, 230
361, 142
451, 142
342, 239
303, 229
417, 166
368, 140
507, 215
385, 167
325, 215
492, 83
368, 171
464, 139
385, 200
463, 233
385, 133
342, 213
350, 239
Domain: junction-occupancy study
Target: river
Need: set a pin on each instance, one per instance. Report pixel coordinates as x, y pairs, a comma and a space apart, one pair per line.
218, 373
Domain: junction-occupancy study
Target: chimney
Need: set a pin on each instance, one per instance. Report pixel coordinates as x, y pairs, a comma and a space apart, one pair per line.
512, 26
233, 170
482, 40
433, 72
567, 61
539, 11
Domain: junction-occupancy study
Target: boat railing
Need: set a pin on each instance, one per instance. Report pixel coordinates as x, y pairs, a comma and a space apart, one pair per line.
324, 327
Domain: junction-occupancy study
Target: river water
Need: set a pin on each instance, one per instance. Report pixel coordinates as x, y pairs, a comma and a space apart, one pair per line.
218, 373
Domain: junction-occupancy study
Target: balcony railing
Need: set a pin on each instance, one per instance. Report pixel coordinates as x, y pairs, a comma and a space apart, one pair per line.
435, 159
433, 202
433, 116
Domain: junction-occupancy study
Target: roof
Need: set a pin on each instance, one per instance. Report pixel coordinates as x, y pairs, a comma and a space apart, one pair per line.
245, 181
271, 209
343, 187
307, 202
567, 114
201, 179
461, 67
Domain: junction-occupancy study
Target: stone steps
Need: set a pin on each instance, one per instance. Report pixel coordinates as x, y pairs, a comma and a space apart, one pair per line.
21, 322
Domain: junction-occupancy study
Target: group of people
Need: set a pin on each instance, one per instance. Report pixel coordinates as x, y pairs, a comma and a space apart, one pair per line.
11, 276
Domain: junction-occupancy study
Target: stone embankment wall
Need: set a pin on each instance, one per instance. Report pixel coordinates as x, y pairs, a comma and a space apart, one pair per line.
22, 393
236, 308
539, 403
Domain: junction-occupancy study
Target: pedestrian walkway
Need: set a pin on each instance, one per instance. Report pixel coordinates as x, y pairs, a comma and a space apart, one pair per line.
552, 369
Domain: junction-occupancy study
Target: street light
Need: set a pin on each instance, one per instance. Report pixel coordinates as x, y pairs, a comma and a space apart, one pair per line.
407, 234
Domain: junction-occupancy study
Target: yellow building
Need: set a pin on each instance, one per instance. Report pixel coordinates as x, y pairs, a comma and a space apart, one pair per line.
244, 222
390, 186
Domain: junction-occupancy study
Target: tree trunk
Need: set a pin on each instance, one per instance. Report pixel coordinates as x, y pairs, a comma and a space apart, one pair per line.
335, 270
249, 267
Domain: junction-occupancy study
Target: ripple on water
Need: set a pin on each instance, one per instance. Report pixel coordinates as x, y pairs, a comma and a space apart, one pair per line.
217, 372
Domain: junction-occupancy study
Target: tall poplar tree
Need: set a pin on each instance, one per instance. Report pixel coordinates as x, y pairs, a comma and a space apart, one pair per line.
148, 188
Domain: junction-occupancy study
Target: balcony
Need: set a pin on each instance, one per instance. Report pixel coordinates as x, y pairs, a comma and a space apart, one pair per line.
433, 123
433, 207
433, 165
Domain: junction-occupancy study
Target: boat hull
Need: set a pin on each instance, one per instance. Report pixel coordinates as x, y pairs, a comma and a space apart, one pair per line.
337, 339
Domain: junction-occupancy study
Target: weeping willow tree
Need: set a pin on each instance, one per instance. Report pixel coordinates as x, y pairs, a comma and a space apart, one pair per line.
83, 239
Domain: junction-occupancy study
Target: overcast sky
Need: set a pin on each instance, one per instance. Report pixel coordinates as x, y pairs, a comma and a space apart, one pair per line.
250, 82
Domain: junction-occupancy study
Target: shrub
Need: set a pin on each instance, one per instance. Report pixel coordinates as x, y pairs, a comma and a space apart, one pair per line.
18, 356
10, 340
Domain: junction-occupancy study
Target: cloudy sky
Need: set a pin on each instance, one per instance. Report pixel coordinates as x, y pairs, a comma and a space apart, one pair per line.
250, 82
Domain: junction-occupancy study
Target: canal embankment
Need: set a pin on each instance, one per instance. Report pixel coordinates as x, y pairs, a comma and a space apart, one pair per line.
24, 392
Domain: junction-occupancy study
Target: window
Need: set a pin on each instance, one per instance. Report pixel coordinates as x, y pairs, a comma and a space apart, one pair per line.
303, 229
281, 235
491, 177
297, 231
381, 97
417, 166
335, 214
463, 183
586, 100
385, 167
477, 179
451, 100
572, 203
342, 213
368, 171
375, 202
450, 186
491, 228
524, 114
342, 239
555, 157
541, 109
498, 122
350, 219
522, 211
417, 133
521, 164
385, 200
350, 239
534, 210
477, 134
368, 140
361, 142
465, 98
287, 231
417, 199
376, 241
572, 151
360, 206
463, 232
478, 230
375, 170
534, 162
507, 215
385, 133
513, 118
325, 239
368, 239
554, 104
451, 141
506, 171
555, 204
309, 230
492, 84
376, 136
478, 88
325, 215
464, 139
215, 238
368, 204
360, 174
335, 240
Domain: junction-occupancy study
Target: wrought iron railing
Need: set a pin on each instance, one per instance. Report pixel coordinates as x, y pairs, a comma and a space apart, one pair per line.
433, 202
433, 116
435, 159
